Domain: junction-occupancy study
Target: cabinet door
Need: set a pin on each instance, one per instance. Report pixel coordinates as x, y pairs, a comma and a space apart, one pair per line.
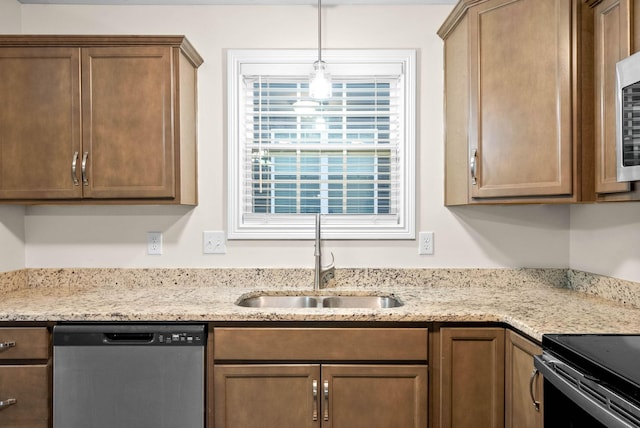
472, 377
612, 33
25, 343
520, 411
40, 128
266, 396
28, 385
361, 396
521, 98
128, 122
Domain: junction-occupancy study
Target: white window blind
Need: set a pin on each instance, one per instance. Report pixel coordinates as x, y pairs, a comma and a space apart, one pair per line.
347, 157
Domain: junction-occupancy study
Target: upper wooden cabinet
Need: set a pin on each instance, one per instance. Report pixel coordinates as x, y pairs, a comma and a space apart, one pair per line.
98, 119
612, 43
615, 21
40, 122
514, 101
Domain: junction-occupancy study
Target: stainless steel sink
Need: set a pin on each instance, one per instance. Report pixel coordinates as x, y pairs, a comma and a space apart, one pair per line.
332, 301
279, 302
381, 302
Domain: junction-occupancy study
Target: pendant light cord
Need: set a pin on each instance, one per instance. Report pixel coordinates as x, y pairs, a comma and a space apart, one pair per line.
319, 31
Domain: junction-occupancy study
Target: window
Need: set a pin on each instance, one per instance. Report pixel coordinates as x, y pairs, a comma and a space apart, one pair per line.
349, 157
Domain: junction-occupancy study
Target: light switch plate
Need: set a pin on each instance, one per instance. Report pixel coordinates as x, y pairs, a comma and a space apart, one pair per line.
214, 242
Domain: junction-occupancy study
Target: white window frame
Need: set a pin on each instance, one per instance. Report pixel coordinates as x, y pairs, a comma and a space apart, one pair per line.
334, 226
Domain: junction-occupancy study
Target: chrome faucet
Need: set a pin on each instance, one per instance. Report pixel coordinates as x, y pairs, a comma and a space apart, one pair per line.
322, 274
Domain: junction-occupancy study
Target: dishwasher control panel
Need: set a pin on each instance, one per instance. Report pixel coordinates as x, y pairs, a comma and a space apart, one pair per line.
129, 335
180, 338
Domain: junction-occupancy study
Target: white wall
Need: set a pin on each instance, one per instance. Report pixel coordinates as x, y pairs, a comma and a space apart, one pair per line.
10, 17
530, 236
12, 239
605, 239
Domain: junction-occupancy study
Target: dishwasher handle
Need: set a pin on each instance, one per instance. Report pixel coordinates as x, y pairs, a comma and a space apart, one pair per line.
129, 338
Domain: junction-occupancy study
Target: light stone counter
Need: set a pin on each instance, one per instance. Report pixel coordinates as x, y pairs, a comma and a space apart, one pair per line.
534, 301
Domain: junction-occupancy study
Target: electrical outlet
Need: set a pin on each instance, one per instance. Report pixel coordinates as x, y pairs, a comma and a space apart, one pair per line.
213, 242
425, 243
154, 243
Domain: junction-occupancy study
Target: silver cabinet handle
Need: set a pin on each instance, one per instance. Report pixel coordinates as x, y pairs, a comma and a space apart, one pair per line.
74, 176
85, 182
6, 403
6, 345
532, 380
326, 400
314, 390
472, 166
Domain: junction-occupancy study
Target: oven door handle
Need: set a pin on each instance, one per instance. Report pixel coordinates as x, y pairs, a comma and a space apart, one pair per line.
532, 380
557, 372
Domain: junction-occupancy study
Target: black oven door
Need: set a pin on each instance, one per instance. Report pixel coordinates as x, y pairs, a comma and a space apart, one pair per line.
575, 400
561, 412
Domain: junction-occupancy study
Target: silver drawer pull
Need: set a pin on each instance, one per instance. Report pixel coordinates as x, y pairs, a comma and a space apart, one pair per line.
6, 403
85, 182
473, 165
314, 391
74, 162
326, 400
6, 345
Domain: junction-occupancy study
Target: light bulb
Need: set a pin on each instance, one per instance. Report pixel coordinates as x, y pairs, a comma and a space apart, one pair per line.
320, 82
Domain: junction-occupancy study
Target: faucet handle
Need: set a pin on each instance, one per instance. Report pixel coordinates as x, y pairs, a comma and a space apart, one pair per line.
330, 265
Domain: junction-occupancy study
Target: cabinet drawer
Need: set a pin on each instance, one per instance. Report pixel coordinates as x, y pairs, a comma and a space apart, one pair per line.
326, 344
24, 343
29, 386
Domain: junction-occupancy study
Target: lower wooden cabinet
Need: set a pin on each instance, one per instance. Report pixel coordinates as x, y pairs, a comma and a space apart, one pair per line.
24, 390
375, 396
481, 379
320, 377
326, 378
521, 410
24, 343
277, 395
25, 400
471, 378
314, 395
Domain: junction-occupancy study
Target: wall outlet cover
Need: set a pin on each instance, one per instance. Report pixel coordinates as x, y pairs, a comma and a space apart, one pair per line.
154, 243
425, 243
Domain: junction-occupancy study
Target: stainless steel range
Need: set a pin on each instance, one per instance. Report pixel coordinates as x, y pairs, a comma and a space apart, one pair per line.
591, 380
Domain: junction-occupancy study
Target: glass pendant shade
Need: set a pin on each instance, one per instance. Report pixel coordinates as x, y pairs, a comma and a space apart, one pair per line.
320, 82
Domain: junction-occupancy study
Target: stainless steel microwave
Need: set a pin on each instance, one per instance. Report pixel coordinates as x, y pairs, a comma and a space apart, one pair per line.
628, 118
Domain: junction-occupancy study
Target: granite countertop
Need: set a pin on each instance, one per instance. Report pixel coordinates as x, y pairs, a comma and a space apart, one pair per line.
534, 301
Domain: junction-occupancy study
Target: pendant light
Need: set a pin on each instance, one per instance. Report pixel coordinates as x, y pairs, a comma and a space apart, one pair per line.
320, 80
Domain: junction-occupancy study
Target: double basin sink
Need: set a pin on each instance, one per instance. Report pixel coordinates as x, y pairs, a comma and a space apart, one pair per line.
329, 301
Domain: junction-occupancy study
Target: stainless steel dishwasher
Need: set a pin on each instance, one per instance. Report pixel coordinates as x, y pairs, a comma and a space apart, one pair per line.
128, 376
